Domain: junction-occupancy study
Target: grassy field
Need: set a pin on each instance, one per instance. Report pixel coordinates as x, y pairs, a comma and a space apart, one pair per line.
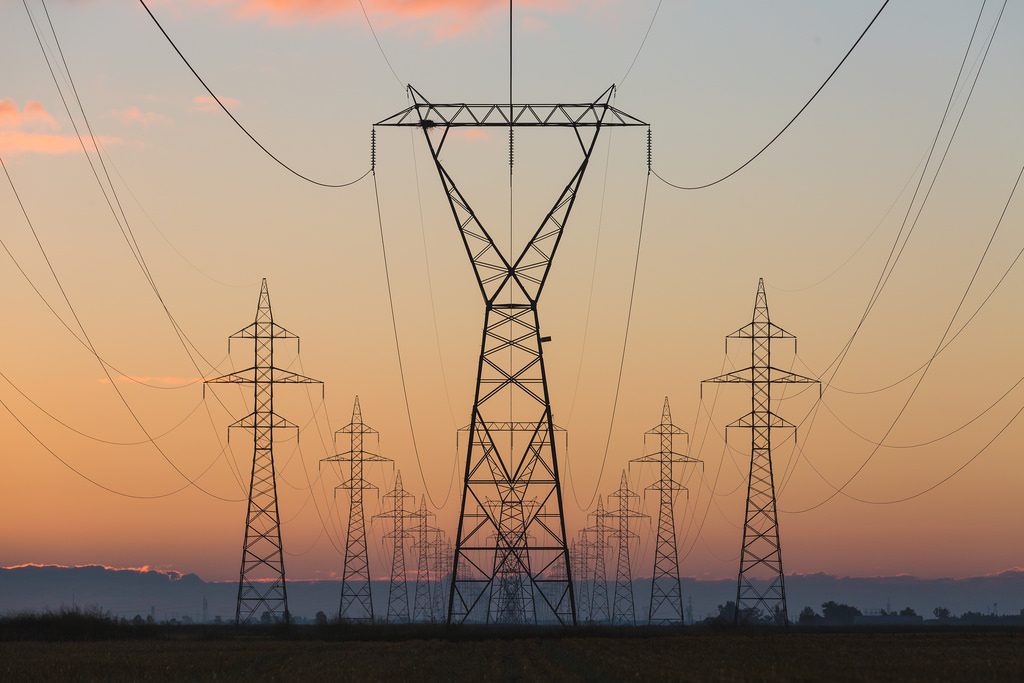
162, 653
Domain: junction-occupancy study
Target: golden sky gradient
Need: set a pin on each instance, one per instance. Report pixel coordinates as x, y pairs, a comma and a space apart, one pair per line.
815, 216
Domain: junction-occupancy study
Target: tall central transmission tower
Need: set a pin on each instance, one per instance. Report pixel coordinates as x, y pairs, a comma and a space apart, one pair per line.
626, 510
262, 591
761, 582
511, 453
666, 605
600, 531
398, 587
356, 595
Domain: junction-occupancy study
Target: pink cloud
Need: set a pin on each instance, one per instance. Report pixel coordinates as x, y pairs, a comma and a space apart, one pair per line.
134, 116
206, 104
32, 130
442, 18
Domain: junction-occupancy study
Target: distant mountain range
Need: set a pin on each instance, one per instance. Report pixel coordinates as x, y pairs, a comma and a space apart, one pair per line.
166, 595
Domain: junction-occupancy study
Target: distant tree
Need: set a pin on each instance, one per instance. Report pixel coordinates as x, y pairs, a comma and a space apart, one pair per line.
150, 619
838, 613
321, 618
908, 612
138, 620
727, 612
808, 617
942, 614
266, 618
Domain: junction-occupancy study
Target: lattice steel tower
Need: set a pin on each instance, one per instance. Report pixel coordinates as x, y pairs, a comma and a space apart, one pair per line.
423, 545
398, 587
600, 531
511, 455
666, 605
581, 570
761, 581
262, 591
626, 510
356, 598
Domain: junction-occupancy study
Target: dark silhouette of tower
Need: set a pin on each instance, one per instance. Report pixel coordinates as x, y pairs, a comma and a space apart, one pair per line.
398, 588
666, 605
599, 531
581, 570
761, 582
511, 454
262, 591
423, 544
439, 568
626, 510
356, 600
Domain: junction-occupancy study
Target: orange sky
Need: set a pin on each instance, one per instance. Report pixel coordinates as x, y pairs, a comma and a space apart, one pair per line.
812, 216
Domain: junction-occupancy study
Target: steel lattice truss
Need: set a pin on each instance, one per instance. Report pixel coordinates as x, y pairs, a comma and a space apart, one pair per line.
761, 584
666, 606
398, 586
262, 591
598, 609
424, 543
626, 510
511, 454
356, 600
581, 567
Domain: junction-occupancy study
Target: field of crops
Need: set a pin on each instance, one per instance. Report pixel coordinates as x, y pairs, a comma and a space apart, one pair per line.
724, 655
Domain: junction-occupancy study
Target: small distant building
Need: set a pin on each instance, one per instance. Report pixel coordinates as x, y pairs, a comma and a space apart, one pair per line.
887, 618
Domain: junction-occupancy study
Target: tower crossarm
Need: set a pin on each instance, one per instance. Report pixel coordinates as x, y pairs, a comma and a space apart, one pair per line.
424, 114
750, 375
258, 374
759, 330
262, 330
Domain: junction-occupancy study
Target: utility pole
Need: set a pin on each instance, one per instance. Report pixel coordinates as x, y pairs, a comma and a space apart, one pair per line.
761, 581
627, 502
666, 605
398, 590
356, 600
262, 591
600, 530
511, 453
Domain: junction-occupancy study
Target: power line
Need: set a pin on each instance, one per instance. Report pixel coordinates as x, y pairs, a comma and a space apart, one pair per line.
88, 340
380, 47
398, 350
791, 121
235, 119
924, 373
642, 43
625, 344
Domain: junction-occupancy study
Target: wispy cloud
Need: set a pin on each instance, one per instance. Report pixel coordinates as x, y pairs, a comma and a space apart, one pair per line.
441, 18
133, 115
206, 104
33, 130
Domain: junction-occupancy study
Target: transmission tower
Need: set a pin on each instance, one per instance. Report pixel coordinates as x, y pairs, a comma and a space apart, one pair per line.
583, 574
600, 530
423, 545
356, 599
439, 567
626, 509
262, 591
666, 606
511, 454
761, 581
398, 590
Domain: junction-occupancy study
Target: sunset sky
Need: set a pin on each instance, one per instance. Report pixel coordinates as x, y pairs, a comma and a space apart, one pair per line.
815, 216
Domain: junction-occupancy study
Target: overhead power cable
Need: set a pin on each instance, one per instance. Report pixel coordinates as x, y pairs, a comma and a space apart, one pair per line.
643, 42
234, 119
401, 364
625, 345
791, 121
